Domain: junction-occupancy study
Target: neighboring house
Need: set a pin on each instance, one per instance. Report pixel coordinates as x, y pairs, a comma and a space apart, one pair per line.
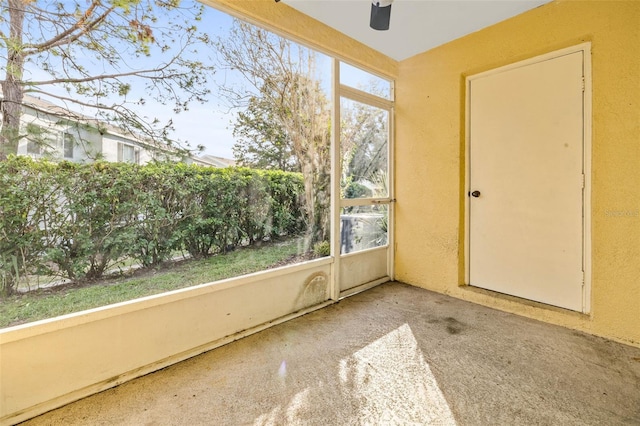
50, 134
213, 161
60, 134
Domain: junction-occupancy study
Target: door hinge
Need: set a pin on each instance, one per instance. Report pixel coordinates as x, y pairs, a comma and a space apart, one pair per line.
583, 84
583, 181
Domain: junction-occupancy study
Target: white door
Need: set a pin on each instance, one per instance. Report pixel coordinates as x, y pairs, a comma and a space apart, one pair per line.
526, 181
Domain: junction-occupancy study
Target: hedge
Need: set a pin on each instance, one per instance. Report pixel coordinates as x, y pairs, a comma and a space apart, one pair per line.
76, 221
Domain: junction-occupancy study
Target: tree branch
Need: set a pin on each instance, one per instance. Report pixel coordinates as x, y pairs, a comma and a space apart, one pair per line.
77, 102
140, 74
131, 121
67, 37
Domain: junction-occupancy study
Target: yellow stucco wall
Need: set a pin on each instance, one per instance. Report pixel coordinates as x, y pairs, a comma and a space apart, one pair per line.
430, 123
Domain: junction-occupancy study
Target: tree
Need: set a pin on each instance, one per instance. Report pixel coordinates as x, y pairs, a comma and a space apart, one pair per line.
364, 146
100, 55
280, 87
260, 141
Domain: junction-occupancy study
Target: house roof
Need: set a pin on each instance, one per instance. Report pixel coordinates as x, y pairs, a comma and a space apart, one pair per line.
212, 160
49, 107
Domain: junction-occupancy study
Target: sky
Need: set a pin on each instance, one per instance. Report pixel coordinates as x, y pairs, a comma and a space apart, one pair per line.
210, 124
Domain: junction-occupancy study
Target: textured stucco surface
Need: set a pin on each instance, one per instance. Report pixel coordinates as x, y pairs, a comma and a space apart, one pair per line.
393, 355
430, 154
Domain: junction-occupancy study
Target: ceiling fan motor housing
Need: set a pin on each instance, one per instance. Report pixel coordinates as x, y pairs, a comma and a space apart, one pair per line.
380, 14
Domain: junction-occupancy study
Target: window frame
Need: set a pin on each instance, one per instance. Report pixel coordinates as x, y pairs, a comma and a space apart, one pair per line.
135, 153
71, 139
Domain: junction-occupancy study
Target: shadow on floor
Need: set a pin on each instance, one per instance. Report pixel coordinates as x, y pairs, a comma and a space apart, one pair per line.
394, 355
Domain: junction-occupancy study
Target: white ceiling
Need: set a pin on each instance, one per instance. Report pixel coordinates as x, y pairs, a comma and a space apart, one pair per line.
416, 25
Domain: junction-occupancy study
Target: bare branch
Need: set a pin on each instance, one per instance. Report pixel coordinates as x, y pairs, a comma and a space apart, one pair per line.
72, 100
101, 77
92, 49
66, 37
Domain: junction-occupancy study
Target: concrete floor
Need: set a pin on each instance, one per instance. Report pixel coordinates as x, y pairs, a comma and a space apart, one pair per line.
394, 355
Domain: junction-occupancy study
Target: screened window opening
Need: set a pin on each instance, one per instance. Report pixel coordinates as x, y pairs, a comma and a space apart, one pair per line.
155, 211
363, 227
366, 107
365, 150
362, 80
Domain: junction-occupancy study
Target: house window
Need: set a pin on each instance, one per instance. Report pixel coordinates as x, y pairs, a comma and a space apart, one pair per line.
40, 141
68, 143
128, 154
33, 147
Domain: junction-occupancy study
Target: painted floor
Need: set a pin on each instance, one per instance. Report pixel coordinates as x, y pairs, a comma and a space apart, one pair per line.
393, 355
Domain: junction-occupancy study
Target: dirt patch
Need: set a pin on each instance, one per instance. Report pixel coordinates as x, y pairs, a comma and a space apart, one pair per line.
107, 280
121, 276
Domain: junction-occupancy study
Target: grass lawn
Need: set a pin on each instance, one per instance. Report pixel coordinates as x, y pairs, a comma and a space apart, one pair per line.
52, 302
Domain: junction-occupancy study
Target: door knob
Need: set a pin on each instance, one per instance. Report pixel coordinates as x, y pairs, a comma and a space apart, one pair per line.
476, 194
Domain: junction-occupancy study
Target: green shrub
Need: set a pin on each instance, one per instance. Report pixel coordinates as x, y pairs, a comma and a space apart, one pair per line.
287, 195
241, 205
78, 220
91, 232
216, 224
164, 203
25, 211
322, 249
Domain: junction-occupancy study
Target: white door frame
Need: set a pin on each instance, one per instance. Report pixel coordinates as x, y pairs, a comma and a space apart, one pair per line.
585, 48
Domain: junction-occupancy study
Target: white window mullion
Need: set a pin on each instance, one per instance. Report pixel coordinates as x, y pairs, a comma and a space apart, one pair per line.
336, 174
